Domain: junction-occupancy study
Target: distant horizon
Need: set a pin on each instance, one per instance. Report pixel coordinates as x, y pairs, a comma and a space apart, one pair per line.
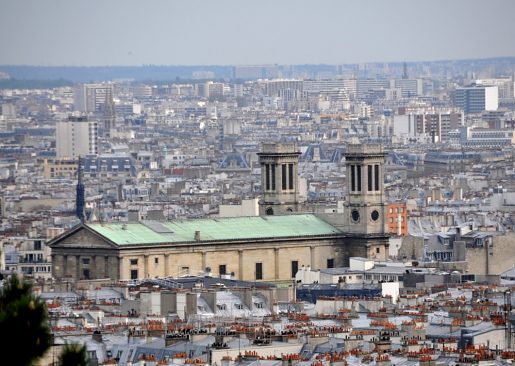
270, 64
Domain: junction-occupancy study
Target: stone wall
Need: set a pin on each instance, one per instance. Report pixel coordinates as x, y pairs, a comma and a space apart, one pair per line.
412, 247
240, 258
492, 259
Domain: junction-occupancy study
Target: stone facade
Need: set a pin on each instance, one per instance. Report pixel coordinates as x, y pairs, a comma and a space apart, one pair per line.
279, 178
497, 256
83, 254
365, 204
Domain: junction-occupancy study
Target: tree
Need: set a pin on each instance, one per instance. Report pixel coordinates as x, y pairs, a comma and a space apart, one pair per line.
73, 354
23, 323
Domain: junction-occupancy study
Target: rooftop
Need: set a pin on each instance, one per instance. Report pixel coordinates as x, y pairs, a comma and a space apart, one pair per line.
234, 228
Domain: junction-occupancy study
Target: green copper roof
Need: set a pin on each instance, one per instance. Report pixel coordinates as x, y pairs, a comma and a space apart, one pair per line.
214, 229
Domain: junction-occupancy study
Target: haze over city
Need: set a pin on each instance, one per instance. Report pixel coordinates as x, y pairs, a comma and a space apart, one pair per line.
229, 32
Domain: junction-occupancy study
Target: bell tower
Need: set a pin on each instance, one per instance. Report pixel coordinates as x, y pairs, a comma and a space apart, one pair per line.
364, 208
279, 181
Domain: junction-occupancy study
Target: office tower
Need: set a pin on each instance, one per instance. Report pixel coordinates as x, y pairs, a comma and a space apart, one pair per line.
90, 98
506, 86
76, 137
476, 99
437, 125
109, 113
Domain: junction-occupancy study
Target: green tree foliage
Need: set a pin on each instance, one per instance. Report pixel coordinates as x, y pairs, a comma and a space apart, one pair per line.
24, 329
73, 354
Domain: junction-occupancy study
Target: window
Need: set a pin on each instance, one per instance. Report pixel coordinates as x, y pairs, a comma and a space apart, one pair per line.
156, 260
85, 273
133, 262
272, 167
330, 263
376, 176
290, 176
267, 176
259, 271
222, 269
37, 244
222, 306
378, 250
134, 274
353, 177
85, 261
294, 268
369, 176
358, 172
283, 176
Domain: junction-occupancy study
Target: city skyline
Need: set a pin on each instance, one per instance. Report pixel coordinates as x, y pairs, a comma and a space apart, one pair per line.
227, 33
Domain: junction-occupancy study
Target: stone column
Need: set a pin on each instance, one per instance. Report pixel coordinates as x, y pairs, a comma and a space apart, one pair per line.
65, 265
77, 267
312, 255
58, 266
93, 270
106, 266
204, 264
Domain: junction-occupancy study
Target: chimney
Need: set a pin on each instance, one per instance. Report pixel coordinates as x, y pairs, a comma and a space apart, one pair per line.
97, 336
197, 235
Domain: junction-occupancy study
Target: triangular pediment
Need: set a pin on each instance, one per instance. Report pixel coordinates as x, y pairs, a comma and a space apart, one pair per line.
82, 237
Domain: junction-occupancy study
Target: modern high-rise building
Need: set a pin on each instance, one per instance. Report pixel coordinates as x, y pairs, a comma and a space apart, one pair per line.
409, 87
506, 86
275, 87
76, 137
476, 99
213, 90
436, 125
90, 98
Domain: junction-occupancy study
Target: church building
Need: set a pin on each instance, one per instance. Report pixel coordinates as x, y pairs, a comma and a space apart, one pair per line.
270, 247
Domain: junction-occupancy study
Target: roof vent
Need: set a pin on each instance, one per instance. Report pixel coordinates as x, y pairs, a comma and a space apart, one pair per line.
197, 235
124, 227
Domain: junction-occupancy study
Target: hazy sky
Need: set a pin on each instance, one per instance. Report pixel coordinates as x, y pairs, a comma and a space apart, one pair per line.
184, 32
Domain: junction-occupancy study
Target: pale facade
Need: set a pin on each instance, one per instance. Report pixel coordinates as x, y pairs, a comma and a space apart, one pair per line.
270, 247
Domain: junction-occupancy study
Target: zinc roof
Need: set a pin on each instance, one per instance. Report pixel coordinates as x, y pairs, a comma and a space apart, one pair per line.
233, 228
